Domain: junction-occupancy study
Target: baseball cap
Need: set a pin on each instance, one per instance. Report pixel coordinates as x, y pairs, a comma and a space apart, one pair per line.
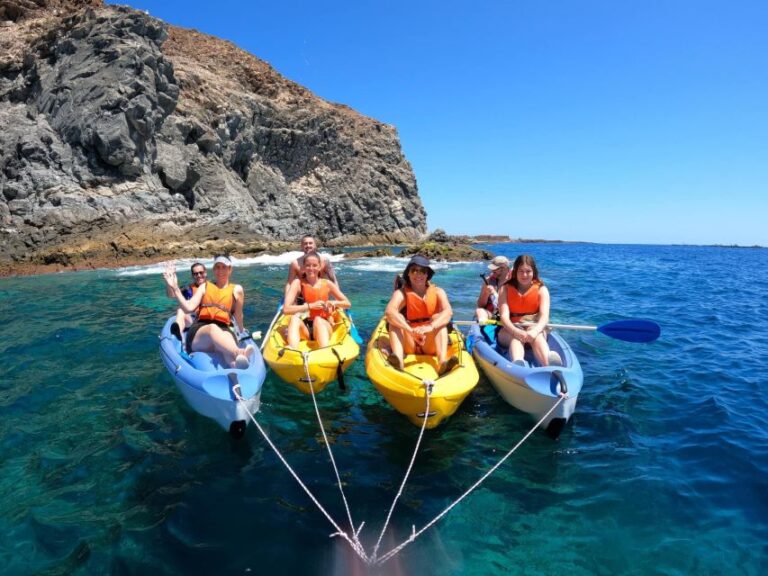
498, 262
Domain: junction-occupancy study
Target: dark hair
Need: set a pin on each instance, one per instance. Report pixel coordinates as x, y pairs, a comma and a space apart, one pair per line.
421, 262
195, 265
519, 261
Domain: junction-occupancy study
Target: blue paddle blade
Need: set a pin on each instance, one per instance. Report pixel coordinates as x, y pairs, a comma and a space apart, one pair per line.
353, 329
632, 330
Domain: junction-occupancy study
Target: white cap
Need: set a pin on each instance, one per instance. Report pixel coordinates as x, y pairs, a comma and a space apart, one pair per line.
222, 260
498, 262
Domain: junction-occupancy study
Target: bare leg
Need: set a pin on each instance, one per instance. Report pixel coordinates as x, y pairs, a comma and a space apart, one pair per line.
396, 338
401, 343
212, 338
296, 331
504, 338
516, 350
322, 329
439, 344
181, 319
541, 349
482, 314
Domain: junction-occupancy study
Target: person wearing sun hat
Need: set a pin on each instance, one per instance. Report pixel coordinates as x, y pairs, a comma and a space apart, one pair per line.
217, 304
488, 301
418, 315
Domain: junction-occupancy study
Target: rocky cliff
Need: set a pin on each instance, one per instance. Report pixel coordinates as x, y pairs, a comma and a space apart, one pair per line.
125, 137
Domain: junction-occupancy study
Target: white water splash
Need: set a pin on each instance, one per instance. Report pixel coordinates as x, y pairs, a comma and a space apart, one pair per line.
283, 259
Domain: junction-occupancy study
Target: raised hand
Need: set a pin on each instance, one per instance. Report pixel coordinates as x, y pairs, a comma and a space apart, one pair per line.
169, 274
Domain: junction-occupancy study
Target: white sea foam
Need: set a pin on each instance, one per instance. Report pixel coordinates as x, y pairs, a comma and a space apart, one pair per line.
283, 259
393, 264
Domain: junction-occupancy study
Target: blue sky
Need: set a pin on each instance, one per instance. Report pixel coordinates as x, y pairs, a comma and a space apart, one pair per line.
604, 121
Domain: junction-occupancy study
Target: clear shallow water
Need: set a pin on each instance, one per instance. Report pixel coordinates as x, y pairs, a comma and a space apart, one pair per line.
664, 469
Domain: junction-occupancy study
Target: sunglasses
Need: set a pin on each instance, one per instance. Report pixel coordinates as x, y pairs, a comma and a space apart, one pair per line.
198, 273
419, 270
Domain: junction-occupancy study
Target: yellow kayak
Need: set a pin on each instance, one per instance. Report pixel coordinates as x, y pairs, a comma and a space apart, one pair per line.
405, 391
324, 364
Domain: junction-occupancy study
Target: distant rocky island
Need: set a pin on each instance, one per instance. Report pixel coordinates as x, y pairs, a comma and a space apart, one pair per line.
125, 138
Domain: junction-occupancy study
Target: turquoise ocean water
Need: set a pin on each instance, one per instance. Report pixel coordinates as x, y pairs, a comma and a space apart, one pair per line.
663, 469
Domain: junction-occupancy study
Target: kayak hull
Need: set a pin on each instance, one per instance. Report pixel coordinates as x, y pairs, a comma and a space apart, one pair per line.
406, 391
532, 389
207, 385
324, 365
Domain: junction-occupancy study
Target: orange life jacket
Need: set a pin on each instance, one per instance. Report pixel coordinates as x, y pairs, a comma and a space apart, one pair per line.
521, 305
317, 293
217, 303
418, 310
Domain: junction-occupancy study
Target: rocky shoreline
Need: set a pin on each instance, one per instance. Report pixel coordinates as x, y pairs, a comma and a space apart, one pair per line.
126, 139
137, 245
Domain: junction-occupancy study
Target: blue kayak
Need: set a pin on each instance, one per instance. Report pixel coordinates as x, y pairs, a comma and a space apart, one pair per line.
532, 388
207, 385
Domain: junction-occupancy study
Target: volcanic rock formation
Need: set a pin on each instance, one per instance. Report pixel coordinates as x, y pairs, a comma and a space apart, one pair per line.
124, 136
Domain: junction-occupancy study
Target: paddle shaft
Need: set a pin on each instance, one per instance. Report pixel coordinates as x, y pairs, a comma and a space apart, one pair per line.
630, 330
498, 323
277, 315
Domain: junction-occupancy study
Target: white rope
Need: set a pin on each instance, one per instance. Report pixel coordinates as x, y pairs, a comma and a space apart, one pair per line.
428, 384
415, 535
305, 357
355, 544
354, 540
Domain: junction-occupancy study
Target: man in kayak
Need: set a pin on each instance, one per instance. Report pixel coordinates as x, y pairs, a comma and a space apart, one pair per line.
184, 320
308, 245
488, 301
418, 315
217, 305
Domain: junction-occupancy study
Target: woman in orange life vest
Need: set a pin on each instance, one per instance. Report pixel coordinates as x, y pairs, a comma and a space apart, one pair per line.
317, 293
216, 305
418, 317
524, 298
